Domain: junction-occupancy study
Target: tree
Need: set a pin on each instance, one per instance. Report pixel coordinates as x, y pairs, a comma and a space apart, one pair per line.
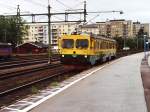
119, 41
130, 42
11, 31
140, 33
140, 38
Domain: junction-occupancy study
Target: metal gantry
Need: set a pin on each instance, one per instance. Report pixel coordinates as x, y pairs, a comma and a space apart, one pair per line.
49, 22
49, 14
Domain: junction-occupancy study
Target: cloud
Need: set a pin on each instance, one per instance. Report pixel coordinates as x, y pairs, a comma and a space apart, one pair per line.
134, 9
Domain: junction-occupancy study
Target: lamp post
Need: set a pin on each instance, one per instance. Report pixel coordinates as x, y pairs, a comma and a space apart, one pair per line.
137, 42
147, 43
145, 46
125, 25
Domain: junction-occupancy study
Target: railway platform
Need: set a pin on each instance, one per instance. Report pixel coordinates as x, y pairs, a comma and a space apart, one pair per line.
116, 87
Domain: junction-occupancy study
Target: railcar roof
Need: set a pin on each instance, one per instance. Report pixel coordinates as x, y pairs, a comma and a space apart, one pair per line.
91, 36
104, 38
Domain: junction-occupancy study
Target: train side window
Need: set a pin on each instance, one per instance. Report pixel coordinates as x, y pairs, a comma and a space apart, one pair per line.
102, 45
111, 45
95, 45
106, 45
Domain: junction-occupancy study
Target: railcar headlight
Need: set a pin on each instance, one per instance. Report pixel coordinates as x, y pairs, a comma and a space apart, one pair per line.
85, 56
63, 55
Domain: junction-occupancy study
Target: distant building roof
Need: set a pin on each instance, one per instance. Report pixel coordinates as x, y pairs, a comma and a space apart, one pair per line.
37, 44
100, 22
89, 26
136, 22
117, 20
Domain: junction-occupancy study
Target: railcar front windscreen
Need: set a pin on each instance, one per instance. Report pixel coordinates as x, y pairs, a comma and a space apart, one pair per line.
82, 43
67, 43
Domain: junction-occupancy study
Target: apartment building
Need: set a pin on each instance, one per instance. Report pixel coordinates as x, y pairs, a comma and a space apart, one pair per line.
89, 28
136, 28
65, 28
112, 28
130, 28
146, 28
119, 28
37, 33
103, 28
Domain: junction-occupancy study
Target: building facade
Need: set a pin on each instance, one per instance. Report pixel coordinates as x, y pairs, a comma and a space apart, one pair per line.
65, 28
146, 28
136, 28
115, 28
112, 28
103, 28
90, 28
37, 33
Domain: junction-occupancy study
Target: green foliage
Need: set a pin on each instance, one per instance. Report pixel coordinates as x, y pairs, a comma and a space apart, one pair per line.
34, 90
54, 84
141, 33
11, 31
120, 43
132, 43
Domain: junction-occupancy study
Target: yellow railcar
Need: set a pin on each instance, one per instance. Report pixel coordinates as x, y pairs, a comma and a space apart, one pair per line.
85, 49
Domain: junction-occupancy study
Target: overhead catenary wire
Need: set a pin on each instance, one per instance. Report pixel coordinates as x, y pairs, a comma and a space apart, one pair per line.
66, 6
58, 18
36, 3
78, 4
92, 19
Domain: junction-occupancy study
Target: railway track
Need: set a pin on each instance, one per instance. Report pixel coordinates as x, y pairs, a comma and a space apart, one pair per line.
29, 77
21, 63
12, 82
5, 76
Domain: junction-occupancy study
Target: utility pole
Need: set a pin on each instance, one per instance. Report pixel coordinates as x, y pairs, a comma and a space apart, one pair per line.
49, 33
137, 42
18, 24
85, 11
5, 34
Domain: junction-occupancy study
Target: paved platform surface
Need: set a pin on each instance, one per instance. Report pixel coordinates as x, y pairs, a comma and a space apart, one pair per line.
115, 88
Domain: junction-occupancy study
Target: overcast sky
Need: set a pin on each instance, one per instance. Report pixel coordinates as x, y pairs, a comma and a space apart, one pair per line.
133, 9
